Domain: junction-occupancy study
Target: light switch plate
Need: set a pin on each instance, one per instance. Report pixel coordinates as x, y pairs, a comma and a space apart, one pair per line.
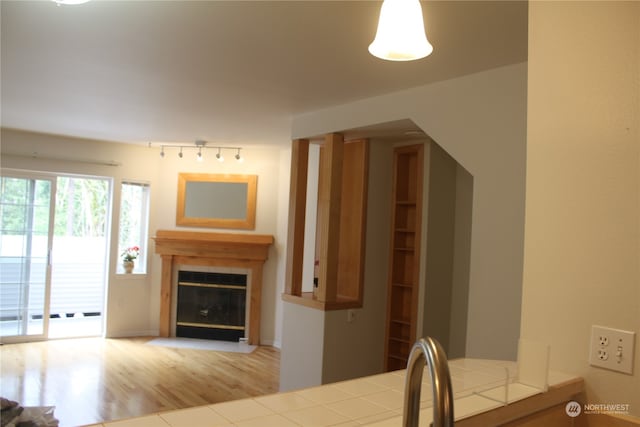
612, 349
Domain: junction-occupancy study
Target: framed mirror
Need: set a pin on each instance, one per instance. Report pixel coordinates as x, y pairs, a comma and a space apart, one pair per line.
216, 201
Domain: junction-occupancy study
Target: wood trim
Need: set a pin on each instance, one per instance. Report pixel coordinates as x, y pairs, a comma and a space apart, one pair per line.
297, 210
214, 250
213, 245
308, 300
606, 420
340, 234
255, 304
418, 235
353, 220
213, 262
166, 289
248, 223
198, 236
329, 199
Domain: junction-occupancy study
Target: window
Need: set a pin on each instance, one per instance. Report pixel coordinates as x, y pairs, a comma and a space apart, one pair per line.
134, 225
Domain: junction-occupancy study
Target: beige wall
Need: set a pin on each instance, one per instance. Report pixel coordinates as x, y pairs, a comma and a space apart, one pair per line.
133, 301
129, 297
302, 349
582, 236
265, 162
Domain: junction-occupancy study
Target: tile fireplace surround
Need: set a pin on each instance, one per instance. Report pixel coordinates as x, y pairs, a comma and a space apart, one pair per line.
181, 248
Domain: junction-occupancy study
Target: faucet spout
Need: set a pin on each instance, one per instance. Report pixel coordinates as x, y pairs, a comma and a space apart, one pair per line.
429, 351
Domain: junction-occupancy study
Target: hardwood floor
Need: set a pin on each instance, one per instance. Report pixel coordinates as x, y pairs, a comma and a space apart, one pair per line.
91, 380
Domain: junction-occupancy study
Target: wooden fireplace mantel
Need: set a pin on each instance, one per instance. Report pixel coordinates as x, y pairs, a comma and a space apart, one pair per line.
248, 251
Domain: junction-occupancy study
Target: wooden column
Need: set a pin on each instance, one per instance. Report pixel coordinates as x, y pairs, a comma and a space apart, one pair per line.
297, 209
255, 299
166, 289
353, 220
329, 198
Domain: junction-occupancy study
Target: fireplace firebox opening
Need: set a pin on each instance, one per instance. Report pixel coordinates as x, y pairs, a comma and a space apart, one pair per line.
211, 305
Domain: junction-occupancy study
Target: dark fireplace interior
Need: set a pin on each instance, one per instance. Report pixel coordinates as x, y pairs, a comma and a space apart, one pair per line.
211, 305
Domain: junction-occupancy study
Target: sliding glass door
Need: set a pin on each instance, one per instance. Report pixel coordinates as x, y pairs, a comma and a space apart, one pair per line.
53, 255
26, 225
79, 260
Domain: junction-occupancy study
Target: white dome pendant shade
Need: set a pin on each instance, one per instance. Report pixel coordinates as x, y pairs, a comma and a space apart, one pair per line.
401, 35
69, 2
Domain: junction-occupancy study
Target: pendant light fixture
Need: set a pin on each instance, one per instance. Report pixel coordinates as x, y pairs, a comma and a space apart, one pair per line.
401, 35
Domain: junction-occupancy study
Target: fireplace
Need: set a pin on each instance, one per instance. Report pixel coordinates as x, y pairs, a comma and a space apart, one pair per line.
198, 251
211, 305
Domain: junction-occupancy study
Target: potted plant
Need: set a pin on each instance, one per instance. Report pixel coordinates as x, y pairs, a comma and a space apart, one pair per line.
128, 256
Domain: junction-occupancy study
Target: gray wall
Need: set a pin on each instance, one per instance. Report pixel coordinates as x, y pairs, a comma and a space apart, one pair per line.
462, 257
438, 250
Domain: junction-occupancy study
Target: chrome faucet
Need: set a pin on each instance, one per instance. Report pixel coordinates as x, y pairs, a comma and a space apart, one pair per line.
430, 351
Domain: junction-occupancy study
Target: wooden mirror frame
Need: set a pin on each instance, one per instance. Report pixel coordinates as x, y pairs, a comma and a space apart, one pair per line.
247, 223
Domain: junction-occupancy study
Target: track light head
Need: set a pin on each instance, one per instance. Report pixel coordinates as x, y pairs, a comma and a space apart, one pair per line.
238, 157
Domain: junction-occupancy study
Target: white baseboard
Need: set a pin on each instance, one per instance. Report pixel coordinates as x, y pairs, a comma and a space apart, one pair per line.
272, 343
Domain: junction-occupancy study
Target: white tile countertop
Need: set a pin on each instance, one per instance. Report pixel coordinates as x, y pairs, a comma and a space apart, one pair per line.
481, 397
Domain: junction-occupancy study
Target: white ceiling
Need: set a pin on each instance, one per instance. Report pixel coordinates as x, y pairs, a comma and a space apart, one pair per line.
223, 71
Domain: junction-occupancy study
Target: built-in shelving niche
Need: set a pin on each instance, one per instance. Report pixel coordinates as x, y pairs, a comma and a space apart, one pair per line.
404, 257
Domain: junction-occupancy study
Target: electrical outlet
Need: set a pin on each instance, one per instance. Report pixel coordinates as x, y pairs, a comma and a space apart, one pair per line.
612, 349
351, 315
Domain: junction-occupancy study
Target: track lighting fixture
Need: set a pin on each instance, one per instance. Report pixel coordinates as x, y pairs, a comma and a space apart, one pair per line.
200, 146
